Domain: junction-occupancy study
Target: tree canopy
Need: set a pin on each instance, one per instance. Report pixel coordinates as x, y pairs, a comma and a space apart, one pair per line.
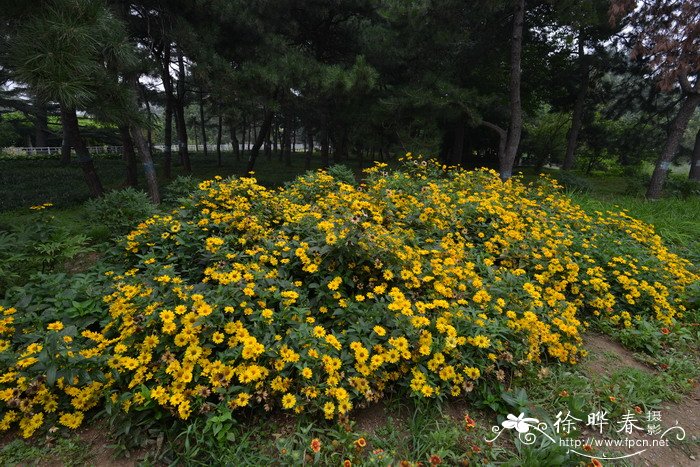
486, 83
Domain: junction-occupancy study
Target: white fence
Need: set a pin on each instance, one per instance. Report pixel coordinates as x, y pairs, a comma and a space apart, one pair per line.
224, 147
56, 150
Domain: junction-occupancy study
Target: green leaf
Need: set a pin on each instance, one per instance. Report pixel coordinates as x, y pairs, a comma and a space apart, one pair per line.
51, 375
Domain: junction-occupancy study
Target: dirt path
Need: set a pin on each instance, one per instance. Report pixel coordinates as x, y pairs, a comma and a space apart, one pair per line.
607, 357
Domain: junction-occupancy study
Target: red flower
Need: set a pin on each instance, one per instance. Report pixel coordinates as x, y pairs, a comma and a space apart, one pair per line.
587, 447
595, 463
315, 445
638, 409
435, 460
665, 331
347, 463
476, 448
469, 423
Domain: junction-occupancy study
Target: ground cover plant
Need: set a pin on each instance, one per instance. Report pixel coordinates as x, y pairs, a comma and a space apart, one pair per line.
325, 296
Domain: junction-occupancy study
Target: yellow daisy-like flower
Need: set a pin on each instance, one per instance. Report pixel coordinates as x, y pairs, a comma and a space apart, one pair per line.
289, 401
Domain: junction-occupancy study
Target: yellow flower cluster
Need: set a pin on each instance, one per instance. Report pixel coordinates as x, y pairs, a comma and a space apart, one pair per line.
324, 296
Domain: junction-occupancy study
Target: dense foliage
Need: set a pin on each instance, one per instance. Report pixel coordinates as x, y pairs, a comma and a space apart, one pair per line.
326, 295
590, 84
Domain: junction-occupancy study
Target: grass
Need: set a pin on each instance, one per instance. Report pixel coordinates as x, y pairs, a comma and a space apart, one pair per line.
63, 451
675, 220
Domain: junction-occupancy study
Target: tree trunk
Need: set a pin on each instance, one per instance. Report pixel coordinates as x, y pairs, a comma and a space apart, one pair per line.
218, 139
234, 144
502, 135
129, 156
243, 137
168, 114
147, 162
678, 126
264, 129
144, 149
324, 146
149, 133
84, 159
41, 128
268, 148
695, 160
455, 154
254, 129
181, 125
342, 149
309, 150
65, 143
287, 138
201, 120
294, 140
579, 107
515, 125
335, 144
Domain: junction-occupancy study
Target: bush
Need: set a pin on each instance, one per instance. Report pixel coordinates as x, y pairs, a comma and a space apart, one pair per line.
40, 246
675, 186
323, 297
342, 173
681, 187
180, 187
119, 211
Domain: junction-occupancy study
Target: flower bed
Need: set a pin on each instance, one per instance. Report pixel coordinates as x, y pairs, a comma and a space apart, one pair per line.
324, 296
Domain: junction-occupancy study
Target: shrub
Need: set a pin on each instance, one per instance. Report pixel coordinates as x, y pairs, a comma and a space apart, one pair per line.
119, 211
180, 187
342, 173
675, 186
323, 296
40, 246
681, 187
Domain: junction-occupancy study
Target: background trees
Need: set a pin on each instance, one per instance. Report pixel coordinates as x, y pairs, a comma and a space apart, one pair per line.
498, 83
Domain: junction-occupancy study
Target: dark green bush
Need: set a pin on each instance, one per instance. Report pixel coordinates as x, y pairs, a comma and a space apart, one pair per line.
180, 187
342, 173
40, 246
119, 211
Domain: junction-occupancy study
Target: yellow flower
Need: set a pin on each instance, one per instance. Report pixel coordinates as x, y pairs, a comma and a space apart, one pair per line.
55, 326
335, 283
71, 420
472, 372
289, 401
